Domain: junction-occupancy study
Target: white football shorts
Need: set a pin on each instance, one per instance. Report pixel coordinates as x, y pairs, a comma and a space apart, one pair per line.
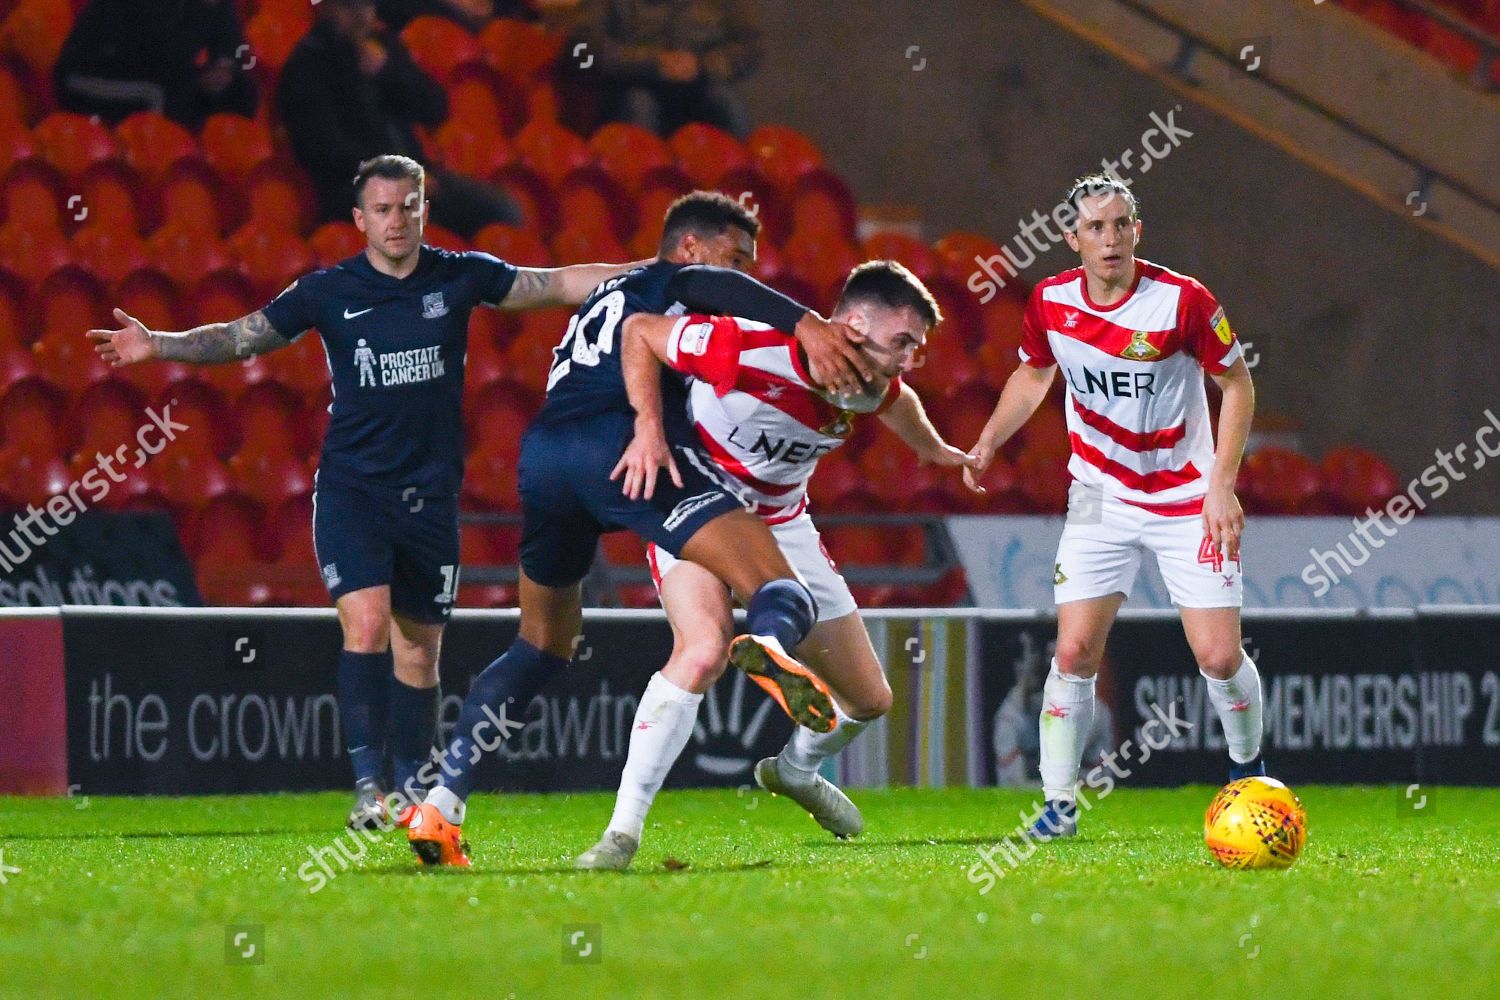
803, 547
1105, 537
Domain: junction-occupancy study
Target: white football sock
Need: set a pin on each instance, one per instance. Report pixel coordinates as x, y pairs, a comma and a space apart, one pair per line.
1066, 719
806, 751
450, 805
1237, 700
663, 722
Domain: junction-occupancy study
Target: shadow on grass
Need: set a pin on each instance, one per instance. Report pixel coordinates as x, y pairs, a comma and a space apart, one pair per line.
165, 834
480, 870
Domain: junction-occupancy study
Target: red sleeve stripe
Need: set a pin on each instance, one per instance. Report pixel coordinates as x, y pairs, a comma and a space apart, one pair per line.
736, 468
1145, 482
1124, 436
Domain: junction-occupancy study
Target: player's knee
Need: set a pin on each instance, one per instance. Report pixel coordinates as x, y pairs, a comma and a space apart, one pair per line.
871, 704
1220, 662
1078, 657
701, 662
366, 631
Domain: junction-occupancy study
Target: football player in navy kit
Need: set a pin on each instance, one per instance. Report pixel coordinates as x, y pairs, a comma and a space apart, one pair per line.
394, 322
572, 452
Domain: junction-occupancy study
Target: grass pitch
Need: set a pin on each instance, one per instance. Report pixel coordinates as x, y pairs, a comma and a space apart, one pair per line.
742, 895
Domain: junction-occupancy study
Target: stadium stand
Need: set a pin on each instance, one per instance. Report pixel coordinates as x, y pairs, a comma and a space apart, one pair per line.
182, 228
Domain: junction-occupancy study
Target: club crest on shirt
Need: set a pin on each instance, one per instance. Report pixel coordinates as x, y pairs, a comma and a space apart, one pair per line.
433, 305
1220, 323
840, 426
1139, 348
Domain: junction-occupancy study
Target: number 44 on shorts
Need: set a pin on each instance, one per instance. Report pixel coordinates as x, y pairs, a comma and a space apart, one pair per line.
1210, 555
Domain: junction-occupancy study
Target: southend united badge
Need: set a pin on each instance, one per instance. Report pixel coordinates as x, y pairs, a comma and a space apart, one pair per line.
1139, 348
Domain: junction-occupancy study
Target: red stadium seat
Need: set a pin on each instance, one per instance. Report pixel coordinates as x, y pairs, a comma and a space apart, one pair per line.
335, 241
1357, 480
478, 151
270, 257
496, 416
628, 153
823, 260
106, 415
33, 196
532, 192
783, 154
918, 257
856, 545
622, 548
479, 93
72, 143
290, 527
822, 203
489, 545
154, 143
110, 193
958, 251
838, 475
893, 473
134, 490
513, 244
190, 480
270, 472
1043, 479
109, 249
273, 417
1283, 482
151, 297
278, 196
302, 367
16, 144
660, 190
588, 244
189, 197
551, 150
31, 416
31, 475
191, 256
439, 45
490, 481
272, 36
706, 153
35, 32
435, 235
211, 424
519, 49
235, 146
590, 199
31, 252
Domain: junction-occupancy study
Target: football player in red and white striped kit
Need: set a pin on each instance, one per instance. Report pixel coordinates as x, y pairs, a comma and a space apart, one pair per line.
763, 424
1133, 340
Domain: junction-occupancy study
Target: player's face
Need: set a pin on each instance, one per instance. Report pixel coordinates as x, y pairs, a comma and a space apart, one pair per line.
1106, 237
391, 215
732, 248
892, 337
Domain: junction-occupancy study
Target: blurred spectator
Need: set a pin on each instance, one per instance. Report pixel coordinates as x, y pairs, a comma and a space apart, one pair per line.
472, 14
183, 58
351, 91
666, 62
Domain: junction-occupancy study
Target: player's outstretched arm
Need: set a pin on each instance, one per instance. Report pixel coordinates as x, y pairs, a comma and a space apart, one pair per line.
542, 287
211, 344
1023, 393
908, 418
641, 358
1223, 518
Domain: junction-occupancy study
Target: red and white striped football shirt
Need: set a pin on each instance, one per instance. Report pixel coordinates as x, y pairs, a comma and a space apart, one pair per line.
757, 410
1137, 412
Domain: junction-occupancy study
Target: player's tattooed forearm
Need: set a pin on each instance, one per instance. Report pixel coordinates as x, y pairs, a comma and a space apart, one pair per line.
532, 285
219, 342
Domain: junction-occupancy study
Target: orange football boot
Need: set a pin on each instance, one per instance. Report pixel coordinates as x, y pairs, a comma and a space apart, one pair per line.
796, 689
436, 841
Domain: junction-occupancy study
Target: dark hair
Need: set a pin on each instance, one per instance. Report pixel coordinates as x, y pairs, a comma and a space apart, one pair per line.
1090, 185
888, 283
391, 167
705, 214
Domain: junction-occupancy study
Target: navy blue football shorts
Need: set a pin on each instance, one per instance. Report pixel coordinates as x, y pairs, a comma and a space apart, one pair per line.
369, 539
568, 500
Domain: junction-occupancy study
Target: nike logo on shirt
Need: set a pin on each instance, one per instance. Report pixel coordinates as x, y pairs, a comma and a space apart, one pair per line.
350, 315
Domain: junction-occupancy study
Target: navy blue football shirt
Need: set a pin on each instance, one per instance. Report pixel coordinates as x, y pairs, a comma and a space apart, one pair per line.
395, 350
587, 377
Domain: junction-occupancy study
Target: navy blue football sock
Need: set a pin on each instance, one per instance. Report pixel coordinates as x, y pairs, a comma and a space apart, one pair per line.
414, 722
363, 685
510, 683
785, 609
